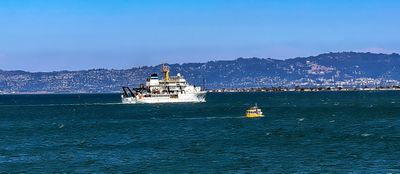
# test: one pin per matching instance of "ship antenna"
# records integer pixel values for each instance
(204, 84)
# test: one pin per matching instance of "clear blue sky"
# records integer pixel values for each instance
(47, 35)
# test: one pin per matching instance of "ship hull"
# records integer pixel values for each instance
(179, 98)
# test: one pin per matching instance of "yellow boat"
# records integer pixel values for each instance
(254, 112)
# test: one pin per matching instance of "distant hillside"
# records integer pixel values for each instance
(331, 69)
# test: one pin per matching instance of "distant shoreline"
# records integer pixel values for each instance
(341, 69)
(307, 89)
(228, 90)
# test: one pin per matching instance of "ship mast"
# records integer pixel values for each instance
(165, 70)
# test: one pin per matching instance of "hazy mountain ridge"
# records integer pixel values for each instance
(343, 69)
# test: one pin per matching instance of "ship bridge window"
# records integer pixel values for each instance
(154, 76)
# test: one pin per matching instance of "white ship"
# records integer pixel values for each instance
(172, 89)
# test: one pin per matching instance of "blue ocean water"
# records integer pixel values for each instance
(302, 132)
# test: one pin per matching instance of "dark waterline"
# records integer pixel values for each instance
(324, 132)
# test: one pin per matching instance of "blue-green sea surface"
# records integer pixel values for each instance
(302, 132)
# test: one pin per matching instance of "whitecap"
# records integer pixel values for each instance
(366, 134)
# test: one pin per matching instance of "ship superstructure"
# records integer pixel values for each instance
(170, 89)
